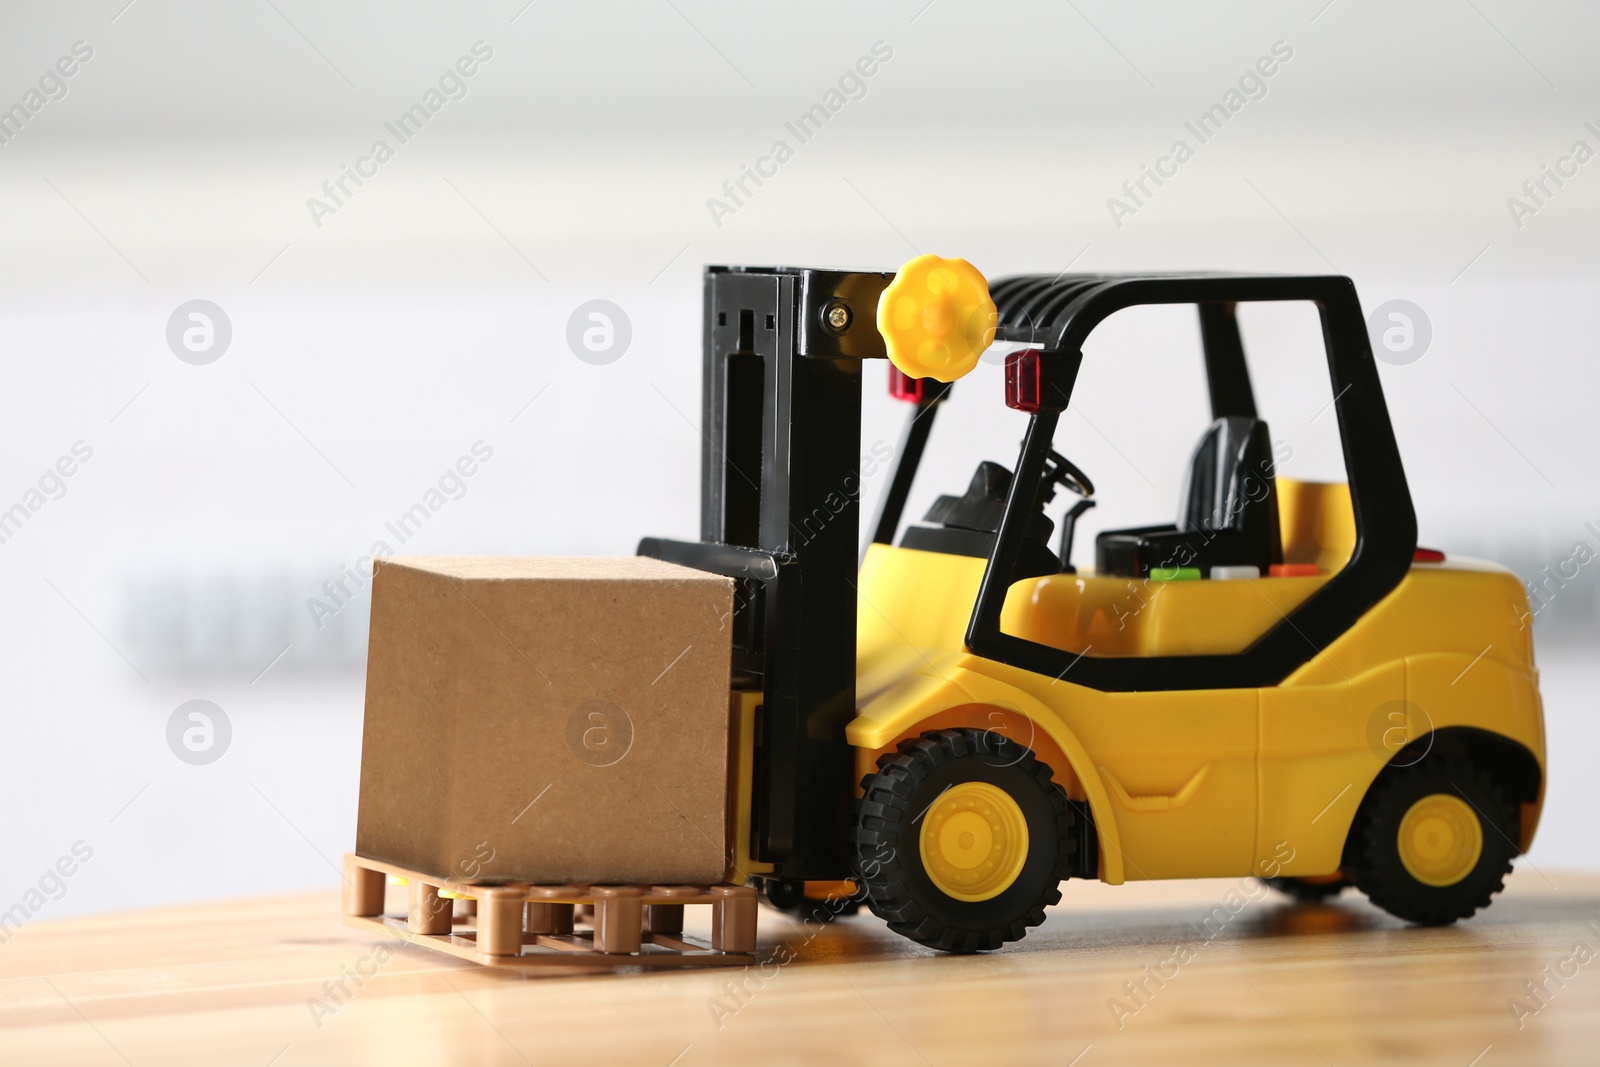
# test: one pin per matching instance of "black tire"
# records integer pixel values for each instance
(1307, 892)
(888, 853)
(1372, 856)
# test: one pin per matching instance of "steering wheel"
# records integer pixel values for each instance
(1059, 470)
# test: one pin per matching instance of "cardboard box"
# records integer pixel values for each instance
(548, 720)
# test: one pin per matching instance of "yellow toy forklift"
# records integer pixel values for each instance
(1280, 683)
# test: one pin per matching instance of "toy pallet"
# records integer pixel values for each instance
(520, 925)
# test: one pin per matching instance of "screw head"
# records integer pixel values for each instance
(837, 316)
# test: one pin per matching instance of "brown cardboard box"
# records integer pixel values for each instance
(547, 720)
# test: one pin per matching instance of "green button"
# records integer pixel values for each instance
(1174, 574)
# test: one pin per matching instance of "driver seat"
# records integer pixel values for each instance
(1227, 512)
(966, 525)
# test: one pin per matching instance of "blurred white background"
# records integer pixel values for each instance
(374, 344)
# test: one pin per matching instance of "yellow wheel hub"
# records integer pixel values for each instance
(1440, 839)
(937, 318)
(974, 841)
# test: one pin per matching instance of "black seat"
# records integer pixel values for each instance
(1227, 515)
(966, 524)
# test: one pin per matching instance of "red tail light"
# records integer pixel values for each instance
(1024, 380)
(903, 386)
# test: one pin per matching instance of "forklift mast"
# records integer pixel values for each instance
(780, 512)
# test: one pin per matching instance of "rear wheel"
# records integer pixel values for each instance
(962, 840)
(1433, 841)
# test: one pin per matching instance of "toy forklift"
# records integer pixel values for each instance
(1280, 683)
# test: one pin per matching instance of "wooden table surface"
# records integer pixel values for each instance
(1274, 983)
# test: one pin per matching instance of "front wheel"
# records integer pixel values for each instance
(1433, 842)
(963, 839)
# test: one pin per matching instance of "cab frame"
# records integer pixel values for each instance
(1053, 316)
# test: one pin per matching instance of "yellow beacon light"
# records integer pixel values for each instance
(936, 318)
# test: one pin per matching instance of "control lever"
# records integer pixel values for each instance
(1069, 523)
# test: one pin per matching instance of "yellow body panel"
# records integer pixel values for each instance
(1316, 522)
(1141, 617)
(1209, 782)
